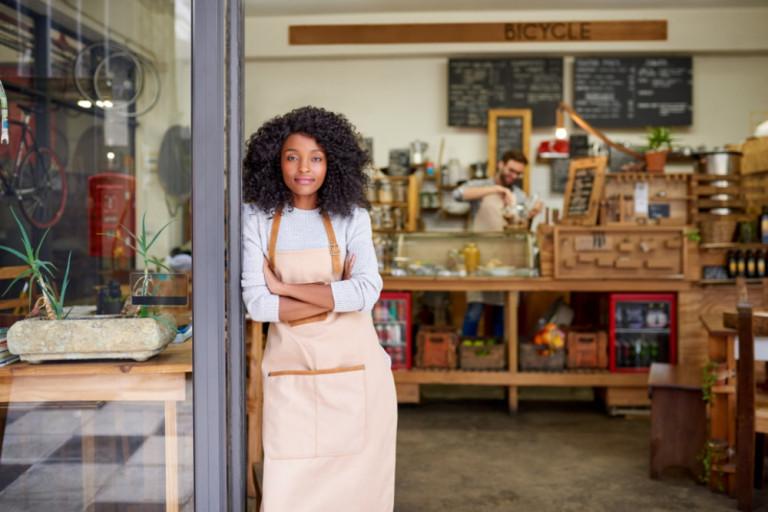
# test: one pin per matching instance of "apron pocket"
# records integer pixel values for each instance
(314, 413)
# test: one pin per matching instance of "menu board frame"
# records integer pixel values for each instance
(494, 151)
(581, 206)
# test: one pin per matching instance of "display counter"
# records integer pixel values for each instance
(618, 389)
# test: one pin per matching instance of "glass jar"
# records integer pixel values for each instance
(471, 257)
(386, 195)
(401, 192)
(376, 217)
(370, 192)
(387, 220)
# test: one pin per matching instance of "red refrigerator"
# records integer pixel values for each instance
(642, 330)
(392, 319)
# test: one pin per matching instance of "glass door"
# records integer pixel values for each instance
(642, 330)
(97, 174)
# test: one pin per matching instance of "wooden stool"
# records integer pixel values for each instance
(678, 418)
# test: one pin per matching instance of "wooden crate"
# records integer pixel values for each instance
(436, 347)
(586, 349)
(482, 357)
(532, 358)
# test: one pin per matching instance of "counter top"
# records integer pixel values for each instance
(487, 283)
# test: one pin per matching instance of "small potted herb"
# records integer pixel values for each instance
(659, 143)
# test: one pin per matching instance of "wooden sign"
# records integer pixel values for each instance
(583, 191)
(521, 32)
(509, 129)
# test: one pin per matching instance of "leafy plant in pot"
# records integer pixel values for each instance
(133, 335)
(659, 143)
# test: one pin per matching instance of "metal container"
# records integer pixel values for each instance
(718, 161)
(723, 163)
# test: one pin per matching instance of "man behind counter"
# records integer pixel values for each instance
(488, 198)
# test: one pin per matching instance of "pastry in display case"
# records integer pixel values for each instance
(451, 254)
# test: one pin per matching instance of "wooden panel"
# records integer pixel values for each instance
(407, 393)
(626, 397)
(419, 33)
(533, 284)
(53, 388)
(622, 251)
(176, 358)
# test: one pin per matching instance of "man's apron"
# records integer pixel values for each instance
(330, 408)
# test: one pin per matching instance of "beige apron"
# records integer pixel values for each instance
(330, 409)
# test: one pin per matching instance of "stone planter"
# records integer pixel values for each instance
(100, 337)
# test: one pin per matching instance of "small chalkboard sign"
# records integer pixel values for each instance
(478, 85)
(582, 193)
(620, 92)
(509, 129)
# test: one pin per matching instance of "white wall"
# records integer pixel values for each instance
(398, 93)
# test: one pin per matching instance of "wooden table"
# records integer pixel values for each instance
(161, 378)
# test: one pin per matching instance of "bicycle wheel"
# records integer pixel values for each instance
(42, 187)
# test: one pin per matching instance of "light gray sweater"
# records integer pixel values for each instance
(303, 229)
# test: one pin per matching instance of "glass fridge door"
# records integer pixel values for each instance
(642, 331)
(392, 320)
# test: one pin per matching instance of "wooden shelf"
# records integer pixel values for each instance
(731, 245)
(586, 378)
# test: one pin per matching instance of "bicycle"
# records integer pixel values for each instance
(37, 181)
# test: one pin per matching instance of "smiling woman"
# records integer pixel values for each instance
(310, 270)
(304, 166)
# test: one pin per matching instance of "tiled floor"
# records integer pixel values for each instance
(46, 465)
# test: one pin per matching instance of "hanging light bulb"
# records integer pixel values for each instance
(560, 131)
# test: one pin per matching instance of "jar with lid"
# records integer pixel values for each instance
(401, 192)
(387, 221)
(386, 195)
(471, 257)
(376, 217)
(397, 218)
(370, 192)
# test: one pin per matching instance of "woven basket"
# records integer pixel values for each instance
(718, 231)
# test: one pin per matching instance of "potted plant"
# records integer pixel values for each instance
(139, 334)
(659, 143)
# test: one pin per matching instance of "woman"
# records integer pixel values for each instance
(309, 269)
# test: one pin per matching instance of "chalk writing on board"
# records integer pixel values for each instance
(583, 181)
(633, 91)
(477, 85)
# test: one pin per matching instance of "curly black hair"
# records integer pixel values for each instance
(345, 180)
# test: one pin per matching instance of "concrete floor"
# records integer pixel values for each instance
(470, 455)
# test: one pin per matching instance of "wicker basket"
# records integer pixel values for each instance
(718, 231)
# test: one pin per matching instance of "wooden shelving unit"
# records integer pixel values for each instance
(620, 388)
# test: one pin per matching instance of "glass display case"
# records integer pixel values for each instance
(451, 254)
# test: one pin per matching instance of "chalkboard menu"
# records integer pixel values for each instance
(633, 91)
(477, 85)
(509, 135)
(583, 190)
(509, 129)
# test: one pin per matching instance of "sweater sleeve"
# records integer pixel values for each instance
(458, 192)
(261, 304)
(362, 291)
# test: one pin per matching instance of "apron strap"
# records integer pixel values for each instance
(333, 246)
(273, 238)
